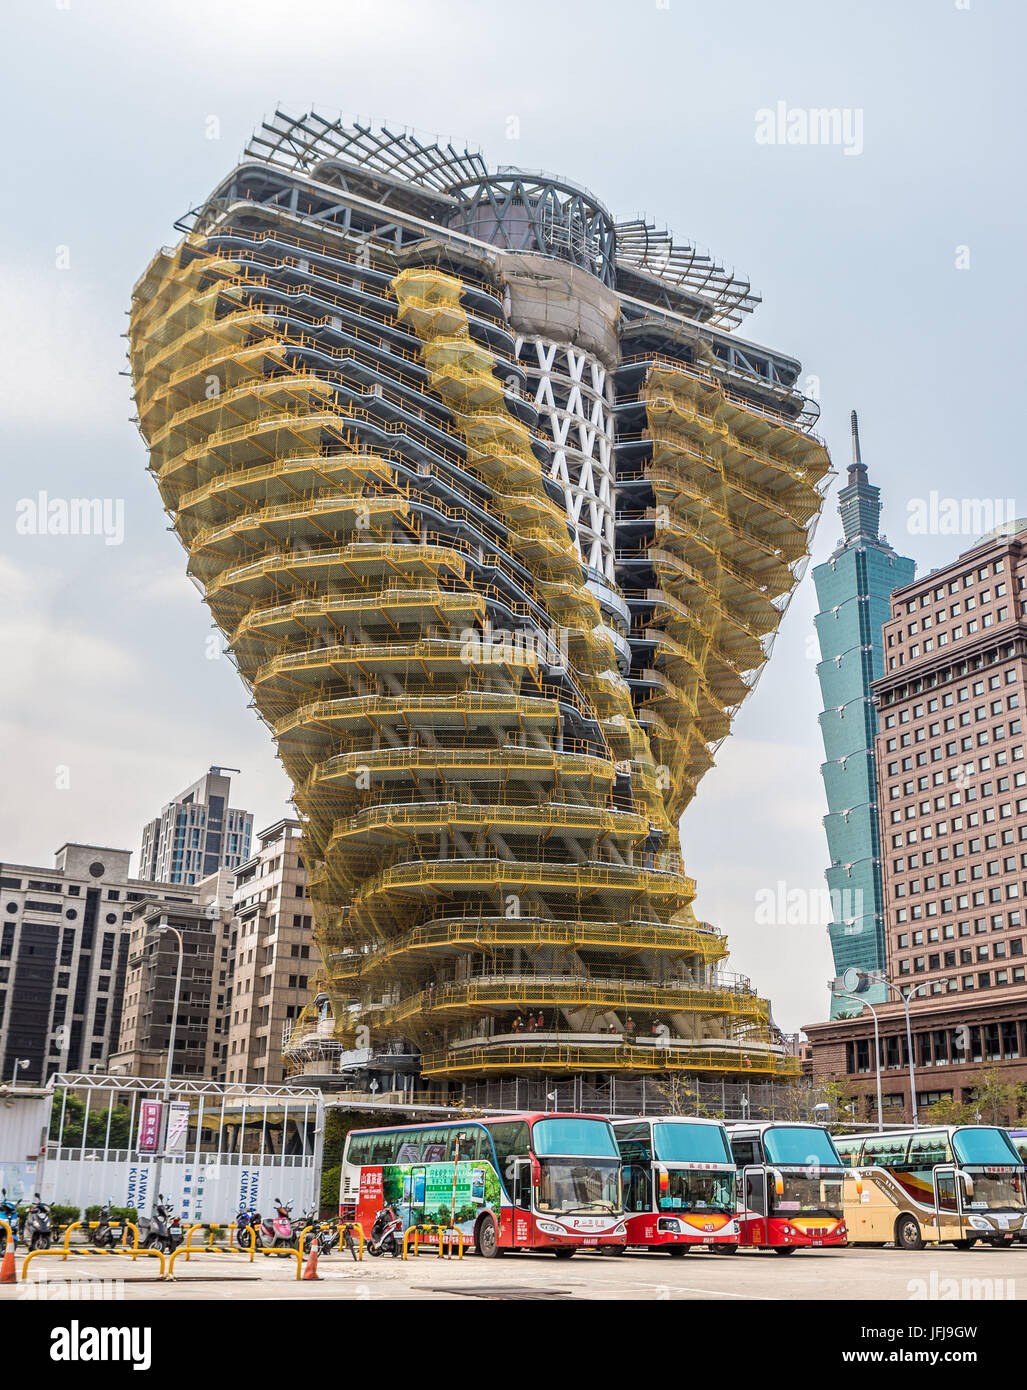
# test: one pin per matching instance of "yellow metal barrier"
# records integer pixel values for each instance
(130, 1226)
(210, 1247)
(191, 1249)
(416, 1232)
(446, 1234)
(94, 1226)
(9, 1236)
(230, 1249)
(63, 1253)
(288, 1250)
(187, 1248)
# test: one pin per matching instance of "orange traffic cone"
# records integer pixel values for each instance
(8, 1273)
(310, 1269)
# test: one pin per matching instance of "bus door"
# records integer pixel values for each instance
(520, 1191)
(948, 1202)
(753, 1196)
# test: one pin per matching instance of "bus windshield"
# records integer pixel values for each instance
(579, 1186)
(677, 1141)
(688, 1190)
(797, 1147)
(985, 1146)
(808, 1195)
(573, 1136)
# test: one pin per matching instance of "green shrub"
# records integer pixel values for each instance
(118, 1214)
(330, 1180)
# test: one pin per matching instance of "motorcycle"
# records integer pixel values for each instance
(8, 1213)
(105, 1237)
(327, 1236)
(386, 1234)
(36, 1232)
(163, 1230)
(280, 1230)
(248, 1216)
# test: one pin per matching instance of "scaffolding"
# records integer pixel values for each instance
(489, 784)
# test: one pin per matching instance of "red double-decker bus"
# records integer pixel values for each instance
(790, 1186)
(513, 1182)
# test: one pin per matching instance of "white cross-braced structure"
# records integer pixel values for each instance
(573, 395)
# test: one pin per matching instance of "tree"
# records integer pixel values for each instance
(331, 1182)
(997, 1101)
(74, 1109)
(683, 1097)
(948, 1111)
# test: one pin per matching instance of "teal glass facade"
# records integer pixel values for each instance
(854, 597)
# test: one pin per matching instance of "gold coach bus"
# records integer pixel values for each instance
(956, 1184)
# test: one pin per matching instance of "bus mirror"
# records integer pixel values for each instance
(779, 1184)
(969, 1182)
(859, 1186)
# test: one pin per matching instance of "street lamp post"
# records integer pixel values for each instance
(877, 1051)
(20, 1063)
(166, 1094)
(906, 996)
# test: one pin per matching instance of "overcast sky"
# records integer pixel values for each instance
(891, 265)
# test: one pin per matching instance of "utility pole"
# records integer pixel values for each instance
(166, 1093)
(877, 1050)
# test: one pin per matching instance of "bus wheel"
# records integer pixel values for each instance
(724, 1249)
(969, 1244)
(564, 1252)
(677, 1250)
(486, 1238)
(907, 1233)
(785, 1249)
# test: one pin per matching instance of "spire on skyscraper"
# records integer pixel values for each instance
(859, 502)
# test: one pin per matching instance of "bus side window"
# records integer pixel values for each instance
(433, 1145)
(926, 1150)
(382, 1149)
(469, 1146)
(408, 1147)
(511, 1140)
(744, 1152)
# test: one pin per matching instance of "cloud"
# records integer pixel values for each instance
(60, 352)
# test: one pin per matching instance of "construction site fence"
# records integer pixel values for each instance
(684, 1095)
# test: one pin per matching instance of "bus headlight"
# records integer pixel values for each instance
(978, 1223)
(670, 1223)
(549, 1228)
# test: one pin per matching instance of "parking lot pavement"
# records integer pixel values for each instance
(899, 1275)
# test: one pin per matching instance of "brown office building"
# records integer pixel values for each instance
(952, 792)
(273, 956)
(201, 1028)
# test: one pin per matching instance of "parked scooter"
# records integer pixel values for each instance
(247, 1216)
(327, 1236)
(36, 1232)
(105, 1237)
(163, 1229)
(386, 1234)
(279, 1231)
(8, 1213)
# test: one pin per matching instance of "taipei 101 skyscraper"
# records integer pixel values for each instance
(854, 594)
(498, 515)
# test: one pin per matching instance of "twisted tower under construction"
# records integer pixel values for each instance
(499, 517)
